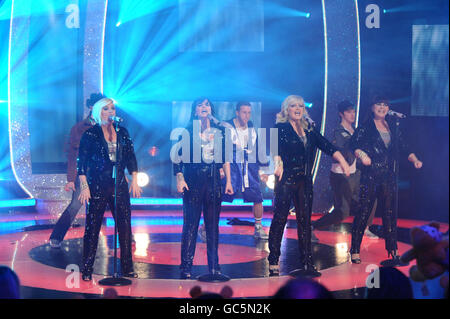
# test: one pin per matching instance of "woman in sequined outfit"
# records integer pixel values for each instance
(297, 146)
(199, 181)
(96, 159)
(374, 144)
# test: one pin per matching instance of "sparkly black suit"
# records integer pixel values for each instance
(205, 195)
(295, 186)
(95, 164)
(377, 183)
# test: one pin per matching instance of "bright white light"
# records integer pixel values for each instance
(142, 242)
(342, 247)
(118, 24)
(341, 252)
(142, 179)
(102, 61)
(271, 181)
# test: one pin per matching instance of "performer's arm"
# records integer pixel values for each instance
(85, 193)
(340, 158)
(135, 190)
(228, 187)
(181, 183)
(278, 167)
(131, 164)
(413, 159)
(365, 159)
(356, 143)
(82, 162)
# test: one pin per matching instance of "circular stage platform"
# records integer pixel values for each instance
(156, 256)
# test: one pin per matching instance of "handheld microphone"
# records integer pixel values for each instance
(116, 119)
(309, 120)
(396, 114)
(213, 119)
(218, 123)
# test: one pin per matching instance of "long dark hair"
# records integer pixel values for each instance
(194, 106)
(375, 100)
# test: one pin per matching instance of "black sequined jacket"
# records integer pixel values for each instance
(368, 139)
(93, 159)
(298, 160)
(196, 164)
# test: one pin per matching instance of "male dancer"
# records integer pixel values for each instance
(69, 214)
(345, 189)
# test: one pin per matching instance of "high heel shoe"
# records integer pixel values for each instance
(355, 258)
(306, 270)
(131, 274)
(86, 277)
(394, 260)
(185, 275)
(311, 270)
(274, 270)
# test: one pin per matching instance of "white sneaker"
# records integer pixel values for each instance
(260, 233)
(371, 235)
(202, 233)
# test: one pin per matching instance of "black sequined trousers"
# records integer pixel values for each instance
(97, 205)
(300, 192)
(201, 196)
(381, 188)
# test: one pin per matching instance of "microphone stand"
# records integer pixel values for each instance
(115, 280)
(396, 260)
(213, 277)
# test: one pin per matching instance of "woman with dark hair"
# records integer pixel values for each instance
(374, 144)
(198, 178)
(98, 163)
(345, 189)
(297, 146)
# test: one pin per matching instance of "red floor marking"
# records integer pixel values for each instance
(170, 254)
(16, 246)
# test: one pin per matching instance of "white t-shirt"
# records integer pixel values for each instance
(242, 137)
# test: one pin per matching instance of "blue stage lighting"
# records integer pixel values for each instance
(277, 10)
(412, 7)
(179, 201)
(17, 203)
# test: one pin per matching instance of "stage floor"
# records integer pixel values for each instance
(44, 272)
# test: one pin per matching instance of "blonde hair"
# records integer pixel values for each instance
(97, 109)
(283, 117)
